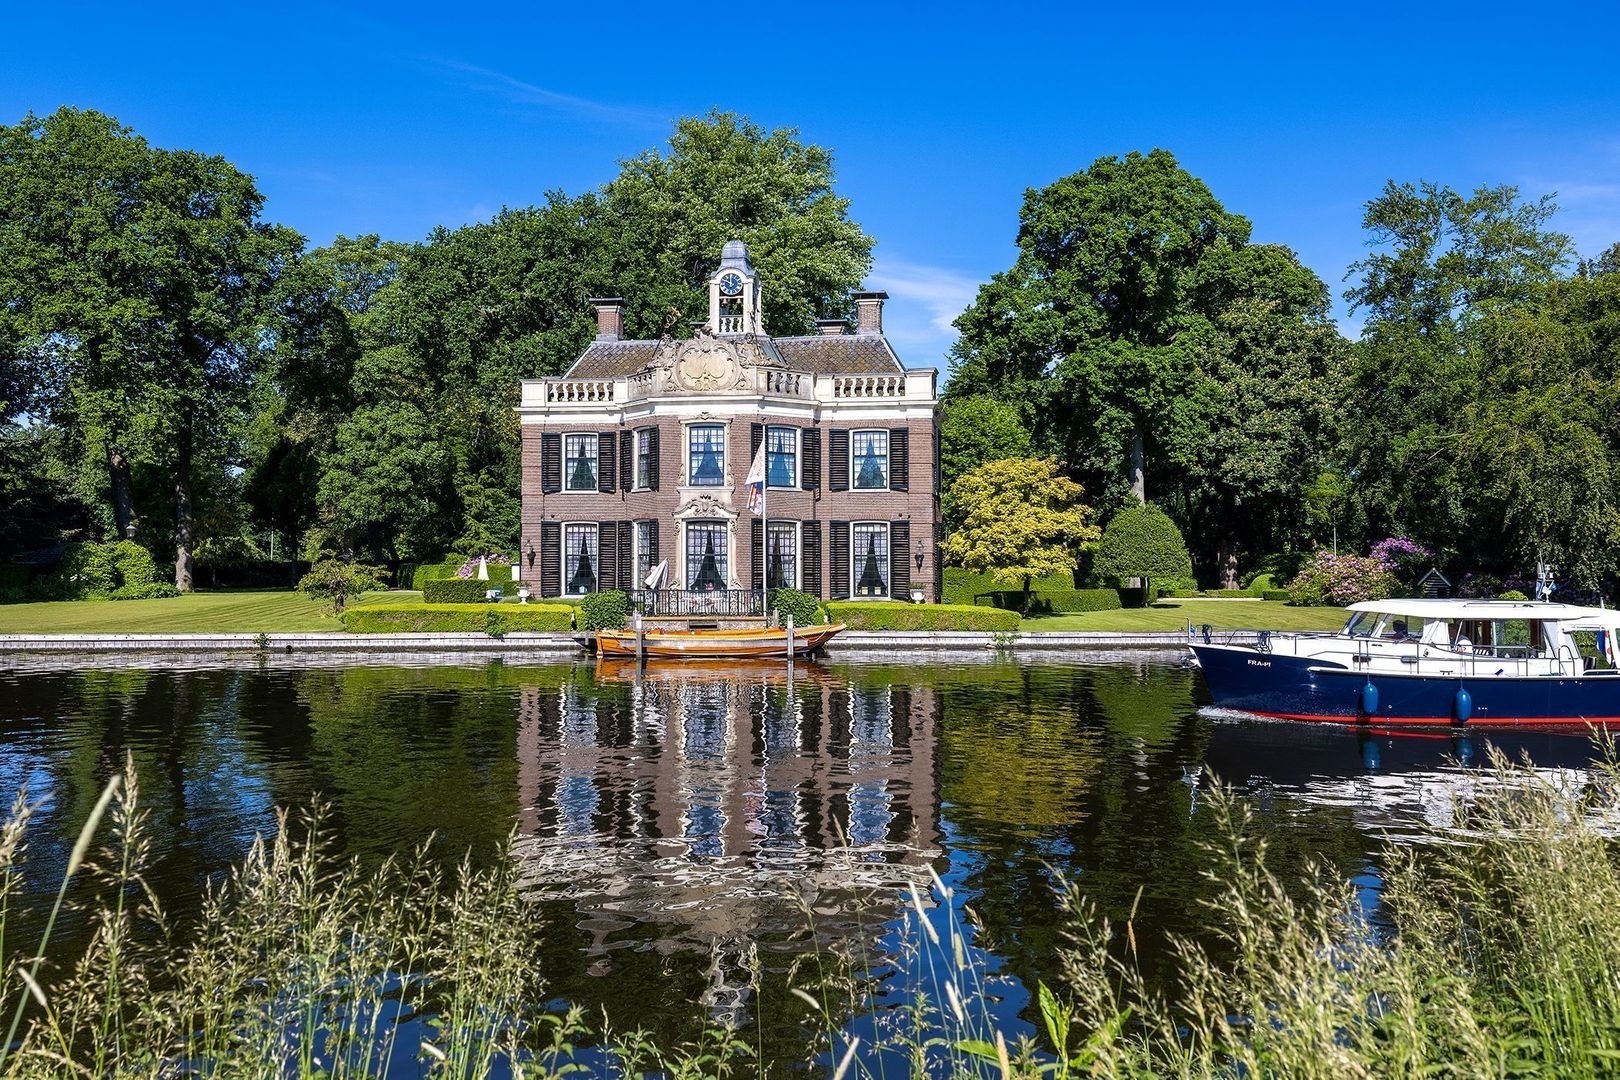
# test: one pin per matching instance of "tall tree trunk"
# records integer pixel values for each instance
(184, 564)
(1226, 556)
(1138, 464)
(123, 493)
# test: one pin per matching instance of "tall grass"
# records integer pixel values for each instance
(1495, 951)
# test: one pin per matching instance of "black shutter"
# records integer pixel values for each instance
(756, 532)
(811, 570)
(607, 556)
(550, 463)
(627, 557)
(756, 435)
(899, 459)
(838, 565)
(607, 472)
(652, 460)
(810, 458)
(627, 460)
(939, 564)
(551, 558)
(838, 461)
(900, 560)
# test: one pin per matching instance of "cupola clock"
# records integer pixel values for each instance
(734, 293)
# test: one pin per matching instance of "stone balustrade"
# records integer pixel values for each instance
(579, 391)
(868, 386)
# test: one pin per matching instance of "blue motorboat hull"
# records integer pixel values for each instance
(1298, 688)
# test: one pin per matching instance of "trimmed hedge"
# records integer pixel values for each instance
(152, 590)
(605, 610)
(1077, 600)
(1052, 594)
(462, 590)
(1275, 594)
(427, 572)
(493, 619)
(805, 609)
(894, 616)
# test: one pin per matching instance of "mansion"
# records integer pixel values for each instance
(638, 458)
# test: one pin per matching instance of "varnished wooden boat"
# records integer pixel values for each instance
(768, 643)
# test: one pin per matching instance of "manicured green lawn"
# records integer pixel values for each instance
(1176, 614)
(223, 611)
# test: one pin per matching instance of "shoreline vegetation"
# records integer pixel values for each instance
(1488, 950)
(280, 611)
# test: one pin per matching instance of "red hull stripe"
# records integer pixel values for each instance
(1481, 721)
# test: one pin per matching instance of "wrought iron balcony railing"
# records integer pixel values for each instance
(719, 603)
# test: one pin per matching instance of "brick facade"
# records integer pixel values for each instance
(744, 384)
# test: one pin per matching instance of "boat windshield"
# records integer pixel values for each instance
(1379, 624)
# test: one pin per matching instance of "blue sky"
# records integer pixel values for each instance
(396, 118)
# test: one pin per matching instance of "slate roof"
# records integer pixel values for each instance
(823, 354)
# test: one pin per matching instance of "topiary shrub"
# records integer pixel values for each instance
(805, 609)
(336, 580)
(152, 590)
(95, 571)
(1142, 542)
(891, 616)
(605, 610)
(1512, 594)
(458, 618)
(454, 590)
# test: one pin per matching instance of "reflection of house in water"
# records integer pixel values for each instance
(722, 806)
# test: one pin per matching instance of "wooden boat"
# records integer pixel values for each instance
(768, 643)
(754, 672)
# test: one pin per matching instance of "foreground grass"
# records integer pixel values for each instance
(226, 611)
(1176, 614)
(1501, 959)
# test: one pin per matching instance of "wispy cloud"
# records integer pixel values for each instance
(925, 301)
(518, 92)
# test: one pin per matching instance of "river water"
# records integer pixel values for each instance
(679, 831)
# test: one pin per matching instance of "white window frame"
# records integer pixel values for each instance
(636, 552)
(798, 553)
(725, 452)
(798, 448)
(888, 559)
(596, 567)
(596, 455)
(888, 459)
(642, 444)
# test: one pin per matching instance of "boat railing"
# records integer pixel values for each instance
(683, 603)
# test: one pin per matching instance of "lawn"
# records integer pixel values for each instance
(223, 611)
(1176, 614)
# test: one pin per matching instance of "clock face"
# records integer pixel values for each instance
(730, 285)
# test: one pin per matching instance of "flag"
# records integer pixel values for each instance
(756, 481)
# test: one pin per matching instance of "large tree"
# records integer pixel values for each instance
(136, 281)
(1138, 320)
(1444, 265)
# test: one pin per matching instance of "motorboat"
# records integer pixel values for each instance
(1425, 661)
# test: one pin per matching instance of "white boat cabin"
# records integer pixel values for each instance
(1485, 638)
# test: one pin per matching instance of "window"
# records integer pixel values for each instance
(644, 552)
(869, 454)
(706, 556)
(644, 458)
(579, 463)
(782, 457)
(869, 562)
(579, 559)
(782, 556)
(706, 455)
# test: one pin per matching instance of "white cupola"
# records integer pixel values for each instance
(734, 293)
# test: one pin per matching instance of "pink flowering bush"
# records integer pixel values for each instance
(469, 569)
(1407, 559)
(1327, 578)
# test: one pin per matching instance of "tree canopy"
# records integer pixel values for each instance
(1021, 519)
(1160, 351)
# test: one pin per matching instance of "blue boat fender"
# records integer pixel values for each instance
(1368, 700)
(1462, 705)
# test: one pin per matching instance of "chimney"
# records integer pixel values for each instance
(869, 312)
(830, 327)
(609, 317)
